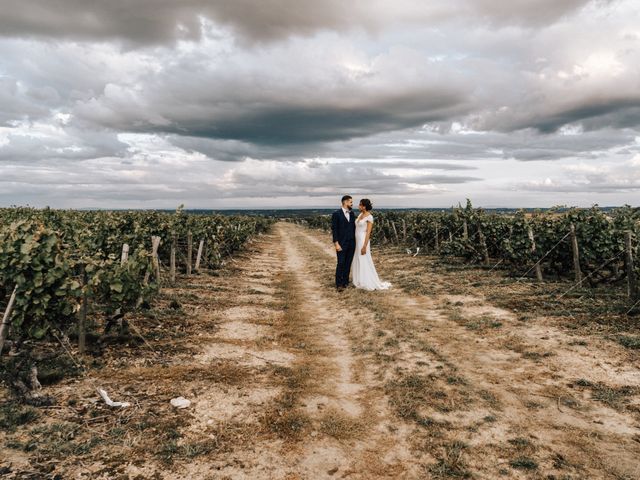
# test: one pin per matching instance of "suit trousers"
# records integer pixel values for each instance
(345, 257)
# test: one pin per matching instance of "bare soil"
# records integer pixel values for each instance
(442, 376)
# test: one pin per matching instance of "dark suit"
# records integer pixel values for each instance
(344, 232)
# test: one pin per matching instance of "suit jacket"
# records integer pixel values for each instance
(343, 232)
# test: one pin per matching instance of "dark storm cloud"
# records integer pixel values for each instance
(537, 12)
(591, 113)
(400, 147)
(293, 124)
(255, 104)
(159, 21)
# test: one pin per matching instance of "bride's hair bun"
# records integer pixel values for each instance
(366, 203)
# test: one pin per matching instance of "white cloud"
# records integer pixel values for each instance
(415, 102)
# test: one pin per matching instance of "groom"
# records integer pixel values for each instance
(343, 227)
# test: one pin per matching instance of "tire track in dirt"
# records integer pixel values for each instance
(532, 406)
(235, 327)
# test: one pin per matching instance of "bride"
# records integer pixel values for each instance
(363, 271)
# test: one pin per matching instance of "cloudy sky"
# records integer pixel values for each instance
(291, 103)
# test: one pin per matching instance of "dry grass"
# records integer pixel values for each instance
(451, 463)
(337, 424)
(284, 418)
(614, 397)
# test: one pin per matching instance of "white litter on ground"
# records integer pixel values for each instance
(180, 402)
(110, 402)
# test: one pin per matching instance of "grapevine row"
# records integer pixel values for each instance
(528, 244)
(52, 261)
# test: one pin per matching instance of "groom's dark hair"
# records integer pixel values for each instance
(345, 198)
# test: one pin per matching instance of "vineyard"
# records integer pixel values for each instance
(55, 265)
(589, 245)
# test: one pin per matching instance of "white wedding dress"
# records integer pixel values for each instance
(362, 269)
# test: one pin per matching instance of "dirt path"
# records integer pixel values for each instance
(290, 379)
(329, 417)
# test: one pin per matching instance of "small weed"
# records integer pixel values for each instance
(536, 355)
(524, 463)
(391, 342)
(455, 380)
(289, 425)
(489, 398)
(613, 397)
(429, 422)
(12, 416)
(168, 450)
(520, 442)
(192, 450)
(451, 464)
(18, 445)
(56, 369)
(483, 323)
(60, 440)
(559, 461)
(584, 383)
(456, 316)
(629, 341)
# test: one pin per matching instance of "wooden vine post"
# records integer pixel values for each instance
(437, 239)
(125, 254)
(483, 246)
(189, 251)
(155, 243)
(199, 255)
(632, 280)
(404, 229)
(172, 260)
(465, 230)
(538, 268)
(82, 320)
(395, 232)
(4, 327)
(576, 254)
